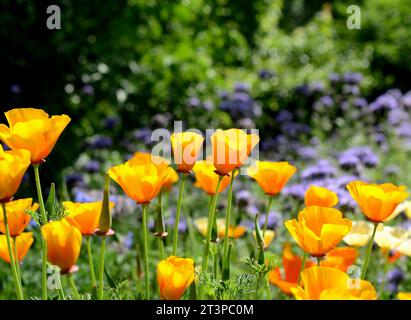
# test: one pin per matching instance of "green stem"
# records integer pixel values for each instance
(90, 262)
(160, 226)
(43, 242)
(211, 214)
(270, 200)
(145, 234)
(302, 267)
(60, 288)
(19, 292)
(178, 211)
(228, 219)
(368, 253)
(267, 283)
(318, 261)
(16, 256)
(73, 287)
(101, 271)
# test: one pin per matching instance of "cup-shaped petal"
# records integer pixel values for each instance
(186, 147)
(63, 244)
(84, 216)
(321, 197)
(13, 165)
(174, 276)
(325, 283)
(207, 179)
(231, 148)
(271, 176)
(377, 201)
(33, 130)
(17, 217)
(318, 230)
(23, 242)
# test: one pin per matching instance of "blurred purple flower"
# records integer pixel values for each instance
(352, 77)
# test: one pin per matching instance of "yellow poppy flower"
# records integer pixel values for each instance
(13, 165)
(360, 234)
(321, 197)
(402, 207)
(33, 130)
(23, 242)
(318, 229)
(207, 179)
(340, 258)
(325, 283)
(404, 295)
(84, 216)
(186, 147)
(389, 238)
(377, 201)
(174, 276)
(233, 232)
(141, 182)
(63, 244)
(17, 217)
(231, 148)
(271, 176)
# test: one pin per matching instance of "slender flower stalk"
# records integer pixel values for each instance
(145, 241)
(43, 242)
(368, 252)
(160, 227)
(101, 271)
(11, 255)
(228, 218)
(385, 257)
(90, 262)
(178, 212)
(318, 261)
(60, 290)
(16, 256)
(270, 200)
(73, 287)
(211, 214)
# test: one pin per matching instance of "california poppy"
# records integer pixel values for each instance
(318, 229)
(325, 283)
(186, 147)
(23, 242)
(84, 216)
(389, 238)
(63, 244)
(271, 176)
(341, 258)
(174, 276)
(141, 182)
(377, 201)
(33, 130)
(231, 148)
(17, 217)
(360, 234)
(321, 197)
(207, 179)
(13, 165)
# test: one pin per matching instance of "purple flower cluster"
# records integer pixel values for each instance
(354, 158)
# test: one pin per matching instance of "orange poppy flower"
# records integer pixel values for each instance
(23, 242)
(84, 216)
(291, 267)
(231, 148)
(340, 258)
(318, 229)
(321, 197)
(13, 165)
(272, 176)
(63, 244)
(325, 283)
(141, 182)
(33, 130)
(233, 232)
(174, 276)
(207, 179)
(377, 201)
(17, 217)
(186, 147)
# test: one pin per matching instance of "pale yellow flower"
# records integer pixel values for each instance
(390, 238)
(360, 234)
